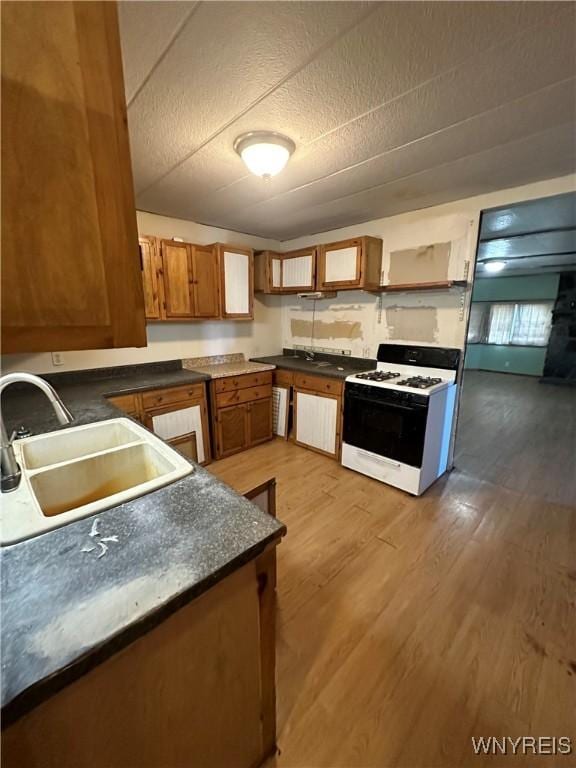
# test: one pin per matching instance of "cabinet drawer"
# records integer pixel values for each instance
(283, 378)
(318, 383)
(243, 395)
(126, 403)
(230, 383)
(161, 397)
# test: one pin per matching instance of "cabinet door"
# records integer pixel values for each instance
(70, 264)
(317, 421)
(187, 445)
(260, 421)
(299, 271)
(339, 265)
(205, 281)
(179, 423)
(237, 282)
(177, 278)
(232, 429)
(268, 272)
(149, 264)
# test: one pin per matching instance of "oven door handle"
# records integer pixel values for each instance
(387, 403)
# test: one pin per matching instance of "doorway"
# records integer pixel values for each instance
(517, 423)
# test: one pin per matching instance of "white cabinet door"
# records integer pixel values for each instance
(297, 272)
(317, 421)
(341, 265)
(237, 284)
(276, 273)
(181, 422)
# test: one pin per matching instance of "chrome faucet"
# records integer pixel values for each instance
(11, 472)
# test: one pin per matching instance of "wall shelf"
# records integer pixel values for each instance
(435, 286)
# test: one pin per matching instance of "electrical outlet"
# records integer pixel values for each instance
(57, 358)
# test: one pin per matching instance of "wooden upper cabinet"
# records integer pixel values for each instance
(268, 272)
(177, 279)
(70, 264)
(151, 276)
(290, 272)
(236, 267)
(349, 264)
(205, 281)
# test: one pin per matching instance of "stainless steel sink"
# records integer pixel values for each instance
(77, 472)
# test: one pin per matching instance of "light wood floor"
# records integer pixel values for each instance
(407, 625)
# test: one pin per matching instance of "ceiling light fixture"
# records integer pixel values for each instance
(265, 153)
(494, 266)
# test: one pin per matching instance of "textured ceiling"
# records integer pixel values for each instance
(393, 106)
(536, 235)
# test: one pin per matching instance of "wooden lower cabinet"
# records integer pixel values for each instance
(241, 412)
(178, 415)
(231, 430)
(260, 421)
(196, 690)
(315, 404)
(317, 421)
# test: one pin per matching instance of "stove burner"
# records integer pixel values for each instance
(419, 382)
(378, 375)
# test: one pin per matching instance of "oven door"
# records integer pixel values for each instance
(386, 422)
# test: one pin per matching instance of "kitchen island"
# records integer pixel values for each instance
(144, 656)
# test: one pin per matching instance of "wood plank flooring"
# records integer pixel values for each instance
(408, 625)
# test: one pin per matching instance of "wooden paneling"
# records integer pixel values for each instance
(228, 383)
(197, 690)
(70, 263)
(159, 397)
(205, 283)
(177, 278)
(150, 263)
(260, 420)
(231, 430)
(243, 395)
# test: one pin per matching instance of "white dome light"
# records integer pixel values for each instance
(494, 266)
(264, 153)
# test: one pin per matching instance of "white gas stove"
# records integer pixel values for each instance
(398, 418)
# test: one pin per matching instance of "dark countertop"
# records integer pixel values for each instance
(340, 366)
(64, 610)
(84, 392)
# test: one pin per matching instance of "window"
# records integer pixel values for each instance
(525, 324)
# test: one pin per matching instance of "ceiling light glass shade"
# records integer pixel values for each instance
(494, 266)
(264, 153)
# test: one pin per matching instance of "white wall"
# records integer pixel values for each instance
(457, 222)
(172, 341)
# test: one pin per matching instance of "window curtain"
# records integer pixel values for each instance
(532, 324)
(501, 321)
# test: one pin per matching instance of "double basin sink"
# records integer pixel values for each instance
(76, 472)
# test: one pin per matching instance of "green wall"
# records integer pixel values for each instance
(520, 288)
(504, 359)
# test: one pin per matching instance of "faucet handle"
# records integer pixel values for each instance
(20, 433)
